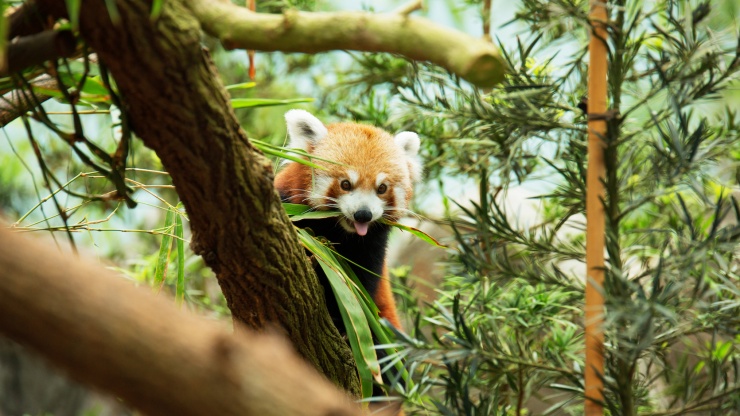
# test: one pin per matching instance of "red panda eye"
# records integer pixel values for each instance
(346, 185)
(382, 188)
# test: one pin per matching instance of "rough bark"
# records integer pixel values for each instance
(177, 105)
(142, 348)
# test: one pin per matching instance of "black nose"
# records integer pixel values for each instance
(363, 215)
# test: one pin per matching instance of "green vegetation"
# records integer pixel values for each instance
(504, 335)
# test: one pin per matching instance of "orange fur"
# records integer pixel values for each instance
(385, 301)
(367, 156)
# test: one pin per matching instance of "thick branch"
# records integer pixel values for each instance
(474, 59)
(141, 347)
(26, 20)
(35, 49)
(177, 105)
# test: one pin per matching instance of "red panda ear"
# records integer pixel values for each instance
(409, 142)
(304, 129)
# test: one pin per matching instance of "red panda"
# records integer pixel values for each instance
(372, 178)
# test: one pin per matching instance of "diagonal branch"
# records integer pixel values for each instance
(177, 105)
(416, 38)
(142, 348)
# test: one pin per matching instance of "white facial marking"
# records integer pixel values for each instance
(354, 177)
(379, 180)
(321, 185)
(399, 197)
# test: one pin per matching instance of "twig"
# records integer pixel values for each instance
(409, 7)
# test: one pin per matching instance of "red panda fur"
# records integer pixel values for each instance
(373, 177)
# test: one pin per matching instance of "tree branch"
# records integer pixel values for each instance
(13, 105)
(239, 225)
(142, 348)
(26, 20)
(35, 49)
(474, 59)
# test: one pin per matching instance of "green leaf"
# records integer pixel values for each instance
(415, 231)
(350, 307)
(295, 209)
(73, 10)
(164, 249)
(156, 9)
(115, 16)
(180, 244)
(296, 155)
(284, 154)
(241, 86)
(315, 215)
(265, 102)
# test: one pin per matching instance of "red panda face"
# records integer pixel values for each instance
(372, 177)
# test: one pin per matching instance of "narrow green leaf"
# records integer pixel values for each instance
(300, 152)
(351, 310)
(73, 10)
(315, 215)
(417, 232)
(164, 249)
(180, 244)
(115, 16)
(295, 209)
(156, 9)
(241, 86)
(285, 155)
(265, 102)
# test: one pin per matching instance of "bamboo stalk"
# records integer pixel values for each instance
(595, 223)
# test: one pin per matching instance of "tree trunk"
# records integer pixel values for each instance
(177, 105)
(142, 348)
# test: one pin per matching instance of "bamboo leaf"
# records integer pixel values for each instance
(156, 9)
(265, 102)
(283, 154)
(241, 86)
(350, 307)
(315, 215)
(295, 209)
(298, 212)
(417, 232)
(163, 258)
(73, 10)
(180, 243)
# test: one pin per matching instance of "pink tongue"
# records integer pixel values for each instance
(361, 227)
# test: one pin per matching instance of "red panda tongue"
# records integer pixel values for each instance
(361, 227)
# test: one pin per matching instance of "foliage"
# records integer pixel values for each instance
(506, 334)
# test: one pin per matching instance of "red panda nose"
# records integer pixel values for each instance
(363, 215)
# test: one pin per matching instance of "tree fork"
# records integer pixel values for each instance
(238, 224)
